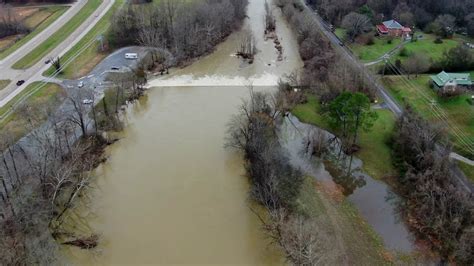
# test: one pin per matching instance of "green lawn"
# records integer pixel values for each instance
(91, 56)
(381, 46)
(340, 33)
(59, 36)
(375, 151)
(55, 13)
(468, 170)
(427, 46)
(457, 109)
(4, 83)
(48, 96)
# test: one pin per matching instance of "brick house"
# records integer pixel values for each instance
(394, 29)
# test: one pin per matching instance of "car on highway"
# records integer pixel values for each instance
(87, 101)
(80, 84)
(115, 68)
(20, 82)
(47, 61)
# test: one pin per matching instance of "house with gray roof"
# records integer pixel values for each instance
(393, 28)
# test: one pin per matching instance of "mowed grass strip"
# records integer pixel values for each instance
(348, 234)
(91, 56)
(48, 97)
(4, 83)
(48, 16)
(459, 110)
(59, 36)
(375, 149)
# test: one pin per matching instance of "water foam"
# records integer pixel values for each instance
(266, 79)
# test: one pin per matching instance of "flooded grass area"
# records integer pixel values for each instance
(375, 149)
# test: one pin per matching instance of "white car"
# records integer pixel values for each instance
(87, 101)
(80, 84)
(131, 56)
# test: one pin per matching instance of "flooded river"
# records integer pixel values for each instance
(170, 192)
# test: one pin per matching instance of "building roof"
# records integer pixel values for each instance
(444, 78)
(392, 25)
(406, 29)
(381, 28)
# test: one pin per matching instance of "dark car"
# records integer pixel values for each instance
(20, 82)
(115, 68)
(47, 61)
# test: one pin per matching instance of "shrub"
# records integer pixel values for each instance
(438, 40)
(404, 52)
(370, 40)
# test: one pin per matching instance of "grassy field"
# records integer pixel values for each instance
(375, 151)
(349, 236)
(59, 36)
(38, 21)
(427, 46)
(91, 56)
(468, 170)
(47, 97)
(381, 46)
(4, 83)
(458, 109)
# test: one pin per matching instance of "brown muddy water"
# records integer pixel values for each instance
(170, 192)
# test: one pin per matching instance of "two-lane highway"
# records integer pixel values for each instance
(34, 73)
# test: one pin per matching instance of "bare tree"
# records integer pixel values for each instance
(416, 64)
(355, 24)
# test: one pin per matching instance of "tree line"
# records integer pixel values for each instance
(419, 13)
(437, 208)
(9, 25)
(187, 29)
(275, 183)
(45, 173)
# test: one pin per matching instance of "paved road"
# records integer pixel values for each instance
(389, 102)
(34, 73)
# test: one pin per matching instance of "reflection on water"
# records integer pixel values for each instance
(374, 199)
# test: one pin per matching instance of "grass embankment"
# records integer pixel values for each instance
(91, 56)
(468, 170)
(458, 109)
(351, 239)
(37, 22)
(4, 83)
(375, 150)
(59, 36)
(48, 96)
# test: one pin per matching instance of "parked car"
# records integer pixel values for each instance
(80, 84)
(131, 56)
(87, 101)
(20, 82)
(115, 68)
(47, 61)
